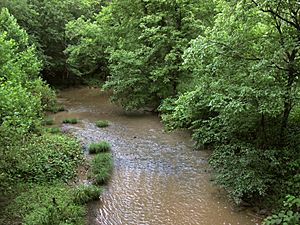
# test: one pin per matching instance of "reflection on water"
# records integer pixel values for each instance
(157, 179)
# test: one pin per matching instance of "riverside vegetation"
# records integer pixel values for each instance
(226, 70)
(36, 164)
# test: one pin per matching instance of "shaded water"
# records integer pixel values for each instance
(158, 178)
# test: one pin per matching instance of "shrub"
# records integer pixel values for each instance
(44, 158)
(85, 193)
(47, 95)
(48, 204)
(245, 171)
(101, 167)
(102, 123)
(102, 146)
(70, 120)
(289, 215)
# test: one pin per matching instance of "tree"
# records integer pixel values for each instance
(144, 43)
(245, 71)
(45, 22)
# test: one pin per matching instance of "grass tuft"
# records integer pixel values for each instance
(53, 130)
(102, 123)
(70, 120)
(86, 193)
(102, 146)
(101, 167)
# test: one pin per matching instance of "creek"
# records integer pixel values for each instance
(158, 177)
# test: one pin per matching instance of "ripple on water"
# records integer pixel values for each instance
(157, 179)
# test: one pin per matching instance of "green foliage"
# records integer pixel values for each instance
(141, 47)
(245, 171)
(45, 22)
(289, 216)
(101, 146)
(42, 158)
(86, 193)
(243, 89)
(48, 121)
(46, 94)
(101, 167)
(70, 120)
(48, 204)
(102, 123)
(53, 130)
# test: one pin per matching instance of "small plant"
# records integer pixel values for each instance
(102, 123)
(289, 215)
(70, 120)
(84, 194)
(102, 146)
(53, 130)
(101, 167)
(48, 121)
(56, 108)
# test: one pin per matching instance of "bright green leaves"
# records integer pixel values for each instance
(18, 67)
(143, 42)
(244, 84)
(45, 23)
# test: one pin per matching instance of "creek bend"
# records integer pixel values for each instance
(158, 178)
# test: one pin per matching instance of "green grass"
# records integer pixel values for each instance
(48, 121)
(70, 120)
(101, 167)
(86, 193)
(56, 108)
(102, 123)
(48, 204)
(101, 146)
(53, 130)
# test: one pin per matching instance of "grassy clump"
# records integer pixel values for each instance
(70, 120)
(53, 130)
(45, 204)
(84, 194)
(48, 121)
(102, 146)
(102, 123)
(56, 108)
(101, 167)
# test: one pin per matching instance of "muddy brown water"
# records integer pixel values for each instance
(158, 178)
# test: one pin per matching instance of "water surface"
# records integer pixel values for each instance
(158, 178)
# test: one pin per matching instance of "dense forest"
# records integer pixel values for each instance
(227, 70)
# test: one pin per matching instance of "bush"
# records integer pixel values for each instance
(70, 120)
(86, 193)
(44, 158)
(102, 146)
(289, 215)
(101, 167)
(102, 123)
(245, 171)
(48, 204)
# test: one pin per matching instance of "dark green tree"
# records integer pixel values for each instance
(245, 85)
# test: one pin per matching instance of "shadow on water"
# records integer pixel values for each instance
(158, 178)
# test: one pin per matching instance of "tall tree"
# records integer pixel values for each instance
(145, 41)
(245, 71)
(45, 22)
